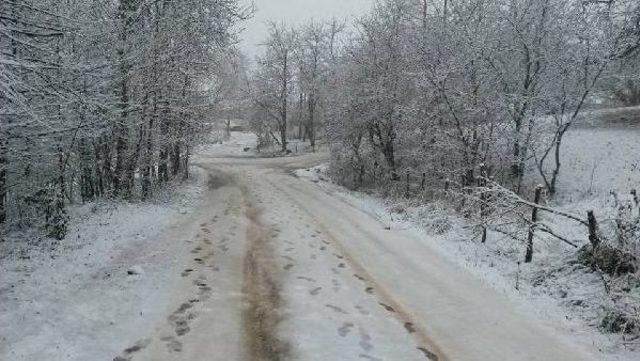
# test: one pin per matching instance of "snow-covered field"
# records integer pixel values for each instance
(598, 160)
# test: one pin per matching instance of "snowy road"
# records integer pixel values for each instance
(286, 271)
(272, 267)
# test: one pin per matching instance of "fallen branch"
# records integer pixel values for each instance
(519, 200)
(550, 232)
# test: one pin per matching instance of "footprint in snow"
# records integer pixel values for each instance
(180, 324)
(365, 340)
(336, 285)
(345, 329)
(369, 357)
(172, 344)
(362, 311)
(410, 327)
(337, 309)
(186, 272)
(428, 354)
(127, 355)
(315, 291)
(204, 294)
(184, 307)
(387, 307)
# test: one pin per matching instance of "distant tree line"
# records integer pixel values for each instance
(466, 101)
(454, 90)
(288, 88)
(466, 89)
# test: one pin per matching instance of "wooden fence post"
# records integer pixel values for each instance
(424, 181)
(482, 183)
(408, 185)
(534, 219)
(593, 230)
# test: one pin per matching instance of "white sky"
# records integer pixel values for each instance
(294, 12)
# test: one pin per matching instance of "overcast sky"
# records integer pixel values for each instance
(294, 12)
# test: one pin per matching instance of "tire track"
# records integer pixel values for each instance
(261, 288)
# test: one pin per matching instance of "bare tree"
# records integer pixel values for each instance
(274, 79)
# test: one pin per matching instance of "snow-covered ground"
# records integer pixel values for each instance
(84, 297)
(600, 156)
(571, 299)
(597, 161)
(239, 144)
(253, 263)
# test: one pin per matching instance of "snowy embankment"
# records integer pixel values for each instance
(573, 299)
(83, 298)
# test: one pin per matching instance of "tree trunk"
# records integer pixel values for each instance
(120, 131)
(302, 132)
(98, 167)
(283, 110)
(4, 163)
(107, 170)
(133, 163)
(534, 219)
(515, 166)
(125, 11)
(556, 169)
(175, 159)
(185, 165)
(163, 167)
(311, 124)
(147, 172)
(390, 158)
(87, 189)
(593, 230)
